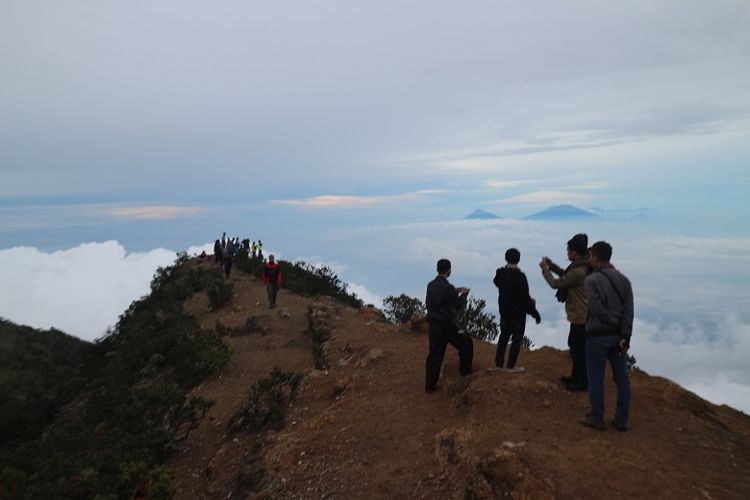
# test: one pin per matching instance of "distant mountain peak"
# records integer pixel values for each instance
(557, 212)
(481, 214)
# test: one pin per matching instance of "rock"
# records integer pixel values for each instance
(284, 313)
(503, 474)
(453, 446)
(374, 355)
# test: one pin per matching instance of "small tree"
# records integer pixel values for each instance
(477, 323)
(402, 308)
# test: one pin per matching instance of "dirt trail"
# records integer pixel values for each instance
(364, 428)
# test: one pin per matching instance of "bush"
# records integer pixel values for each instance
(402, 308)
(267, 402)
(220, 293)
(477, 323)
(133, 405)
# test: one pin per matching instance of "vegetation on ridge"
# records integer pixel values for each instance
(114, 438)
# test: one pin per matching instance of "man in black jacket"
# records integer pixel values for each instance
(442, 301)
(515, 303)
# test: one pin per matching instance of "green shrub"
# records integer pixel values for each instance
(220, 293)
(267, 402)
(477, 323)
(132, 405)
(402, 308)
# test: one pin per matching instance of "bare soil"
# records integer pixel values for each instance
(365, 428)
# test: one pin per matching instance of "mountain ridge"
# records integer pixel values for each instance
(359, 424)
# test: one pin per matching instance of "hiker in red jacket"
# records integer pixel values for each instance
(272, 280)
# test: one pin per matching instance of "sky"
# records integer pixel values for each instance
(360, 134)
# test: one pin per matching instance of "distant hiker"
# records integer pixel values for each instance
(254, 249)
(259, 248)
(572, 291)
(442, 301)
(608, 329)
(228, 260)
(272, 280)
(515, 303)
(218, 257)
(223, 240)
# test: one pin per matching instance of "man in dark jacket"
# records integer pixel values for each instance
(442, 301)
(272, 280)
(515, 303)
(608, 330)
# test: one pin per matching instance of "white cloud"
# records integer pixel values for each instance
(503, 184)
(366, 295)
(81, 291)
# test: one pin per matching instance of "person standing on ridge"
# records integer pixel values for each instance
(272, 280)
(259, 247)
(217, 253)
(572, 291)
(515, 303)
(608, 329)
(442, 301)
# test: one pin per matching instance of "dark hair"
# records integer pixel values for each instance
(602, 251)
(443, 265)
(579, 243)
(513, 256)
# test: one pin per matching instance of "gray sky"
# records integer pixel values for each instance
(187, 102)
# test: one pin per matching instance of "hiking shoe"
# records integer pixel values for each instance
(467, 373)
(517, 369)
(430, 390)
(590, 421)
(619, 425)
(567, 380)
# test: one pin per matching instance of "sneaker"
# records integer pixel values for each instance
(619, 425)
(517, 369)
(590, 421)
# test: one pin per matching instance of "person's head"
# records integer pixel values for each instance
(271, 259)
(512, 256)
(577, 246)
(600, 253)
(444, 267)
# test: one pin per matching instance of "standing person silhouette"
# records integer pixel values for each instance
(608, 329)
(442, 301)
(572, 291)
(514, 303)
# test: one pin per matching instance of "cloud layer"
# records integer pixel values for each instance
(81, 291)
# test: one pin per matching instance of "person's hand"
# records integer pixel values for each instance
(544, 263)
(624, 346)
(464, 291)
(538, 319)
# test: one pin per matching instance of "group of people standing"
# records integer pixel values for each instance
(226, 249)
(598, 304)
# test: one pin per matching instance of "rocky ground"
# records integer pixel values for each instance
(364, 427)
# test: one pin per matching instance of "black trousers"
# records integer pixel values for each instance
(577, 344)
(272, 289)
(442, 334)
(510, 328)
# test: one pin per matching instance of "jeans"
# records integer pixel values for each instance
(598, 351)
(442, 334)
(510, 328)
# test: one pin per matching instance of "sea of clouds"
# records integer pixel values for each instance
(692, 321)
